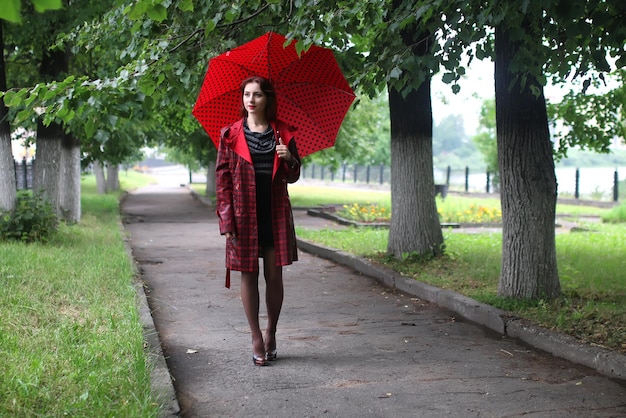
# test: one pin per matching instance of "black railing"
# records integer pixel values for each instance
(456, 179)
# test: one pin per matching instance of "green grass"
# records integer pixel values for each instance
(199, 188)
(311, 196)
(592, 270)
(617, 214)
(71, 341)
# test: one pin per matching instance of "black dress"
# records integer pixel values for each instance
(262, 147)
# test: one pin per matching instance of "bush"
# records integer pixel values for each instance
(616, 215)
(33, 219)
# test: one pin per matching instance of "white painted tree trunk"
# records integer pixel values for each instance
(70, 194)
(210, 180)
(98, 171)
(112, 177)
(47, 170)
(7, 166)
(415, 227)
(7, 174)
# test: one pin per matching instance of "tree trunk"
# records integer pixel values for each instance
(112, 178)
(98, 171)
(47, 170)
(210, 180)
(7, 169)
(415, 226)
(528, 182)
(47, 175)
(7, 165)
(69, 198)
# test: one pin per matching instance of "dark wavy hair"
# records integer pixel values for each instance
(268, 89)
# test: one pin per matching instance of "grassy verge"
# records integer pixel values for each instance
(592, 270)
(71, 341)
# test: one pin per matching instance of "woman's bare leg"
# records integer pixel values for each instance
(274, 294)
(250, 298)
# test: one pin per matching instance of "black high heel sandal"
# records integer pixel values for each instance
(271, 355)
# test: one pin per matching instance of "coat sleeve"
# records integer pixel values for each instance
(224, 190)
(293, 169)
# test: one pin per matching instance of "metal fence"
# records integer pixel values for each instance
(24, 174)
(367, 174)
(596, 183)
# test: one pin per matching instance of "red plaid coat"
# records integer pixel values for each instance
(236, 200)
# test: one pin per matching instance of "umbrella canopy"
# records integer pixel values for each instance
(312, 94)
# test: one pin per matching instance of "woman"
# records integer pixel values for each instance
(257, 157)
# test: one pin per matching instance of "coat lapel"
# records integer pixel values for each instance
(236, 140)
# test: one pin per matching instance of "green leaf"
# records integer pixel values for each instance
(148, 103)
(137, 11)
(11, 11)
(448, 78)
(13, 98)
(158, 13)
(62, 112)
(422, 10)
(231, 15)
(300, 46)
(43, 5)
(186, 5)
(210, 26)
(50, 94)
(90, 128)
(23, 115)
(147, 86)
(9, 96)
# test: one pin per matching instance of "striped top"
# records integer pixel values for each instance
(262, 148)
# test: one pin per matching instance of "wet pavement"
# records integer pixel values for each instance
(347, 345)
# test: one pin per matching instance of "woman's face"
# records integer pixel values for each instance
(254, 100)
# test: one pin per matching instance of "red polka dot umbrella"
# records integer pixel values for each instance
(312, 94)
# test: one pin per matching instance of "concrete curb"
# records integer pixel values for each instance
(160, 378)
(604, 361)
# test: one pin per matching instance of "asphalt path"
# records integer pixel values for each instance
(347, 345)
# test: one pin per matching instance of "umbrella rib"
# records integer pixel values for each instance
(241, 66)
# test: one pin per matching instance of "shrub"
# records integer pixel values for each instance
(33, 219)
(617, 214)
